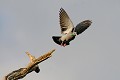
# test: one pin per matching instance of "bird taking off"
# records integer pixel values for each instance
(68, 30)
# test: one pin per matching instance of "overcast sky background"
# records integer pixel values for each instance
(28, 25)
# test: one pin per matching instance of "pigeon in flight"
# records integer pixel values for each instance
(68, 30)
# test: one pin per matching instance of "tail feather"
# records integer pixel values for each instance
(56, 39)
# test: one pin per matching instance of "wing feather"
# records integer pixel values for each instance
(82, 26)
(65, 22)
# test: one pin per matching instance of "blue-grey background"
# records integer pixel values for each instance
(28, 25)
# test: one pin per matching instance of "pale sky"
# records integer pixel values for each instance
(28, 25)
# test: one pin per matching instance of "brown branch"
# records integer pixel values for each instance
(32, 66)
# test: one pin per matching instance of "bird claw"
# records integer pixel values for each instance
(64, 45)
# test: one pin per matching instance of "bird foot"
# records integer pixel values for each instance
(63, 45)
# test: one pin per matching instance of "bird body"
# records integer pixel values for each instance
(67, 36)
(68, 30)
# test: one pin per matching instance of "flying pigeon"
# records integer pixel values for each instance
(68, 30)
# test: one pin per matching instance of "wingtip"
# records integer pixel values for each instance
(61, 8)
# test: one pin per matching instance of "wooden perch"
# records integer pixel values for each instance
(32, 66)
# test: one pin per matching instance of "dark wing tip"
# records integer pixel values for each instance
(56, 39)
(61, 9)
(81, 27)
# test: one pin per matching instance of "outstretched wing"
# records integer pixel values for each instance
(82, 26)
(65, 22)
